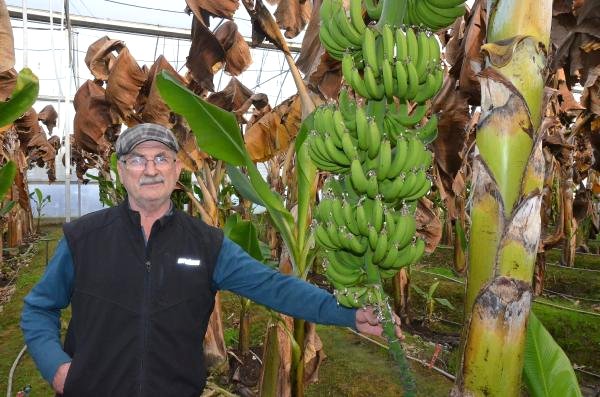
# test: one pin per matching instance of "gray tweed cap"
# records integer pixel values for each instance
(135, 135)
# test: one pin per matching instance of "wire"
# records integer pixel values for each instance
(566, 308)
(144, 7)
(570, 296)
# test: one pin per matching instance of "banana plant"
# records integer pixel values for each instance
(431, 300)
(23, 96)
(218, 134)
(508, 174)
(40, 202)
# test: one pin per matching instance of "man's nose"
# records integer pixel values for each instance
(150, 168)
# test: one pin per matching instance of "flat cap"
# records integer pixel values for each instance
(135, 135)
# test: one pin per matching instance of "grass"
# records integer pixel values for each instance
(10, 333)
(355, 366)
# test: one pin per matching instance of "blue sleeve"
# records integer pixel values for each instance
(238, 272)
(40, 320)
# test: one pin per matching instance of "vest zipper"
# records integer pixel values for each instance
(145, 320)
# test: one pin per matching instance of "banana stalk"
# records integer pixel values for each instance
(508, 174)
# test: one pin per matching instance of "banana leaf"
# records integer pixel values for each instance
(243, 233)
(547, 371)
(7, 175)
(218, 134)
(242, 184)
(21, 99)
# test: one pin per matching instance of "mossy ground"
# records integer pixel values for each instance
(355, 366)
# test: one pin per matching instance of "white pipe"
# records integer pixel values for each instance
(67, 125)
(25, 49)
(12, 371)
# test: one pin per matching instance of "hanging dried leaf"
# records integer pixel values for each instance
(311, 49)
(205, 58)
(429, 226)
(8, 80)
(237, 51)
(264, 25)
(470, 63)
(292, 16)
(27, 126)
(100, 56)
(123, 85)
(217, 8)
(576, 35)
(591, 98)
(275, 130)
(452, 107)
(568, 104)
(190, 154)
(93, 119)
(7, 45)
(48, 116)
(155, 109)
(232, 97)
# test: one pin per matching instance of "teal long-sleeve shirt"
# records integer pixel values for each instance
(235, 271)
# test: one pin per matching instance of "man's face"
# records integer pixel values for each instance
(150, 187)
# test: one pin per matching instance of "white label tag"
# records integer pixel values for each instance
(188, 261)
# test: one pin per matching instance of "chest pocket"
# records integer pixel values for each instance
(179, 278)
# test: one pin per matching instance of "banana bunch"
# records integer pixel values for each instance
(435, 14)
(395, 63)
(338, 33)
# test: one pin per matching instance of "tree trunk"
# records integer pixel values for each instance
(508, 175)
(570, 224)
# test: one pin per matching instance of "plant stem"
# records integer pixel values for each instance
(392, 14)
(396, 351)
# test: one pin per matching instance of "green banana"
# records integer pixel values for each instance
(339, 126)
(390, 189)
(350, 217)
(356, 16)
(401, 46)
(401, 80)
(421, 192)
(358, 244)
(384, 160)
(412, 46)
(390, 258)
(389, 83)
(375, 89)
(348, 108)
(374, 10)
(373, 236)
(337, 212)
(347, 29)
(358, 84)
(415, 153)
(369, 50)
(323, 239)
(377, 214)
(381, 247)
(426, 90)
(388, 42)
(361, 219)
(399, 158)
(445, 3)
(336, 155)
(334, 50)
(407, 120)
(337, 35)
(348, 146)
(413, 80)
(372, 185)
(419, 251)
(423, 56)
(362, 128)
(408, 185)
(428, 132)
(347, 66)
(357, 177)
(373, 138)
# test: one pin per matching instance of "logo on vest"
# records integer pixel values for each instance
(188, 261)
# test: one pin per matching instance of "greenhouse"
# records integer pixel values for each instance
(300, 198)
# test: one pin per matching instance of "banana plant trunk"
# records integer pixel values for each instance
(569, 223)
(508, 175)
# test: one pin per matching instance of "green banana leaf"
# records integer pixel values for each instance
(21, 99)
(547, 371)
(460, 235)
(306, 172)
(217, 131)
(242, 184)
(218, 134)
(7, 175)
(7, 207)
(243, 233)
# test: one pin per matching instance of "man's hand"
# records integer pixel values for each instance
(58, 383)
(367, 322)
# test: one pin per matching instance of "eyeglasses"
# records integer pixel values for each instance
(138, 163)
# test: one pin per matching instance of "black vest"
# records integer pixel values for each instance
(139, 312)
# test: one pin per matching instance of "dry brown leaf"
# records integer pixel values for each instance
(8, 80)
(311, 49)
(313, 354)
(429, 226)
(217, 8)
(232, 97)
(93, 119)
(123, 85)
(205, 58)
(190, 154)
(155, 110)
(48, 116)
(292, 16)
(273, 132)
(453, 113)
(264, 25)
(237, 51)
(100, 56)
(7, 45)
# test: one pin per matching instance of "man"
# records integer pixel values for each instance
(141, 279)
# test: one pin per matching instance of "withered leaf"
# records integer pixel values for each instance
(232, 97)
(206, 56)
(237, 51)
(292, 16)
(155, 110)
(124, 83)
(7, 45)
(429, 226)
(8, 81)
(264, 25)
(93, 119)
(273, 132)
(217, 8)
(48, 116)
(100, 56)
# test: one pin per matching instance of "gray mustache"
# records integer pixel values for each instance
(149, 180)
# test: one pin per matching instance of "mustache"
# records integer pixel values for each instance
(150, 180)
